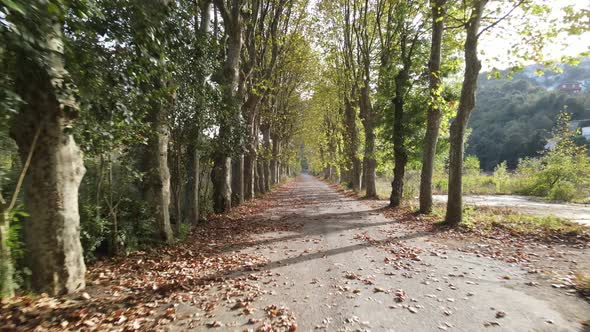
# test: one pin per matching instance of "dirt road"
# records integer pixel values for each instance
(347, 269)
(575, 212)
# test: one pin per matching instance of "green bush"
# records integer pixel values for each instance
(564, 191)
(471, 165)
(501, 177)
(94, 230)
(562, 173)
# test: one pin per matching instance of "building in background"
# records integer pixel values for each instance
(570, 87)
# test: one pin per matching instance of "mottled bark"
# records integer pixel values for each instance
(355, 172)
(274, 161)
(370, 164)
(260, 173)
(266, 164)
(363, 175)
(400, 154)
(157, 178)
(115, 246)
(328, 172)
(250, 110)
(237, 180)
(249, 175)
(435, 112)
(221, 181)
(193, 181)
(454, 213)
(267, 173)
(222, 168)
(52, 231)
(176, 183)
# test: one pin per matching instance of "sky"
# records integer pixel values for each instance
(495, 45)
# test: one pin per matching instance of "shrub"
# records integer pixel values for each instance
(564, 191)
(562, 173)
(471, 165)
(501, 176)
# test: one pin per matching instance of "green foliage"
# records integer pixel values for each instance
(471, 165)
(487, 219)
(564, 191)
(513, 117)
(94, 230)
(563, 172)
(501, 176)
(15, 241)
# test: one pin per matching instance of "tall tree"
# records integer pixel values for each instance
(162, 96)
(454, 214)
(438, 8)
(230, 119)
(55, 169)
(365, 30)
(409, 29)
(267, 25)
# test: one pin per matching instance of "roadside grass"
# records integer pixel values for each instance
(519, 222)
(478, 184)
(489, 221)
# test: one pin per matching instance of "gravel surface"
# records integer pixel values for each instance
(346, 270)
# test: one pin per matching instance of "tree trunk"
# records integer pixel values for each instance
(400, 155)
(260, 177)
(266, 164)
(249, 174)
(435, 111)
(370, 162)
(249, 110)
(176, 183)
(222, 168)
(52, 231)
(237, 180)
(454, 213)
(157, 179)
(274, 161)
(369, 124)
(192, 188)
(364, 175)
(221, 180)
(114, 242)
(256, 178)
(354, 174)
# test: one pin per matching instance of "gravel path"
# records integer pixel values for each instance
(348, 269)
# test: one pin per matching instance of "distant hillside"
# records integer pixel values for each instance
(513, 117)
(552, 80)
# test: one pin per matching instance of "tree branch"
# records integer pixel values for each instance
(501, 18)
(23, 172)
